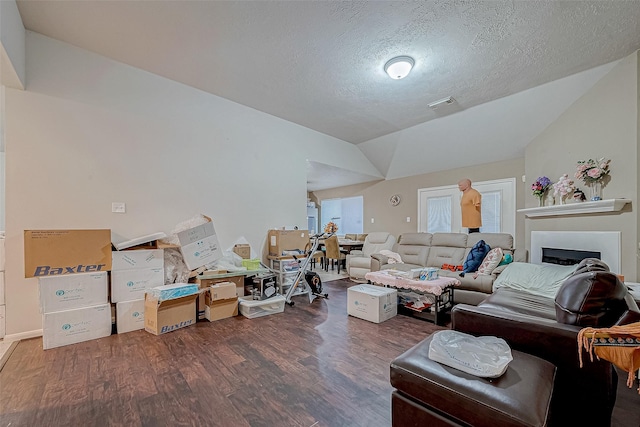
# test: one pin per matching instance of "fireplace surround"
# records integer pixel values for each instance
(606, 243)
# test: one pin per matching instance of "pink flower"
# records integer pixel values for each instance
(594, 173)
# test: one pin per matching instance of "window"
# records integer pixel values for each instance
(439, 208)
(346, 213)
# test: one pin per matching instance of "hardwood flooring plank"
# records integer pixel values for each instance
(311, 366)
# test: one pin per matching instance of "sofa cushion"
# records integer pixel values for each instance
(495, 240)
(490, 262)
(538, 279)
(594, 298)
(475, 257)
(413, 248)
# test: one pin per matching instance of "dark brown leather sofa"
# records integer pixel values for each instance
(548, 329)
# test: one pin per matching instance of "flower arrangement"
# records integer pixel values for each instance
(592, 171)
(540, 187)
(563, 187)
(331, 227)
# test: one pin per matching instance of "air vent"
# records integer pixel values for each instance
(442, 102)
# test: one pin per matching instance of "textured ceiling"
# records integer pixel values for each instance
(320, 63)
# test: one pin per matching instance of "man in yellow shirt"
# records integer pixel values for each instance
(470, 204)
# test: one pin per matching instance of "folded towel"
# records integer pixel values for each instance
(177, 290)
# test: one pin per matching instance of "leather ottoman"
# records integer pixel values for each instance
(429, 393)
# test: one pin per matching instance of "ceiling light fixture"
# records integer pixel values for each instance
(399, 67)
(444, 101)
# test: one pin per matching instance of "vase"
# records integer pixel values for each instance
(596, 191)
(541, 201)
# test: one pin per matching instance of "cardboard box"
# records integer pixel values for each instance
(200, 304)
(221, 309)
(150, 241)
(137, 259)
(238, 280)
(281, 241)
(161, 317)
(127, 285)
(71, 291)
(129, 316)
(58, 252)
(134, 272)
(373, 303)
(423, 273)
(222, 290)
(242, 249)
(199, 245)
(73, 326)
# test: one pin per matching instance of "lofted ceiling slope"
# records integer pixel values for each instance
(320, 63)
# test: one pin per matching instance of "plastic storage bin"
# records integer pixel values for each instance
(251, 308)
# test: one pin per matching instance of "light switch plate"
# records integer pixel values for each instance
(118, 207)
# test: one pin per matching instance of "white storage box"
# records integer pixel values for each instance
(129, 316)
(253, 308)
(138, 259)
(128, 285)
(73, 326)
(135, 271)
(199, 245)
(373, 303)
(71, 291)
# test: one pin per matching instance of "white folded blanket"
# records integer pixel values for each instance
(393, 257)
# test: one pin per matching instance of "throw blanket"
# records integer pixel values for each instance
(393, 257)
(619, 345)
(539, 279)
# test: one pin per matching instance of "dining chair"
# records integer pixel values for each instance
(317, 255)
(333, 253)
(350, 236)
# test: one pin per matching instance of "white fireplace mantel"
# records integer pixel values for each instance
(610, 205)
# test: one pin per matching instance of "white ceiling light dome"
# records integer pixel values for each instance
(399, 67)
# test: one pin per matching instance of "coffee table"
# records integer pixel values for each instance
(441, 288)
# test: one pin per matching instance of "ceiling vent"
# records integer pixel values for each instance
(442, 102)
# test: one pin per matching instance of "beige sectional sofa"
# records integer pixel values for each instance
(433, 250)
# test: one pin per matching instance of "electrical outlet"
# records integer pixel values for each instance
(408, 219)
(118, 207)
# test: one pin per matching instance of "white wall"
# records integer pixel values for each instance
(602, 123)
(89, 131)
(12, 45)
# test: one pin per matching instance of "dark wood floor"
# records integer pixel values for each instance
(309, 366)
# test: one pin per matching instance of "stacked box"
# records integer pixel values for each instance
(205, 282)
(221, 301)
(129, 316)
(165, 316)
(133, 272)
(72, 291)
(199, 245)
(75, 308)
(283, 242)
(60, 328)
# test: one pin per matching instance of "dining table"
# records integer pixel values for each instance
(346, 245)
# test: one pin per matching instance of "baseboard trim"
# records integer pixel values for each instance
(7, 354)
(23, 335)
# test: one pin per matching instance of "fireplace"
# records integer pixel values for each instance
(569, 247)
(566, 256)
